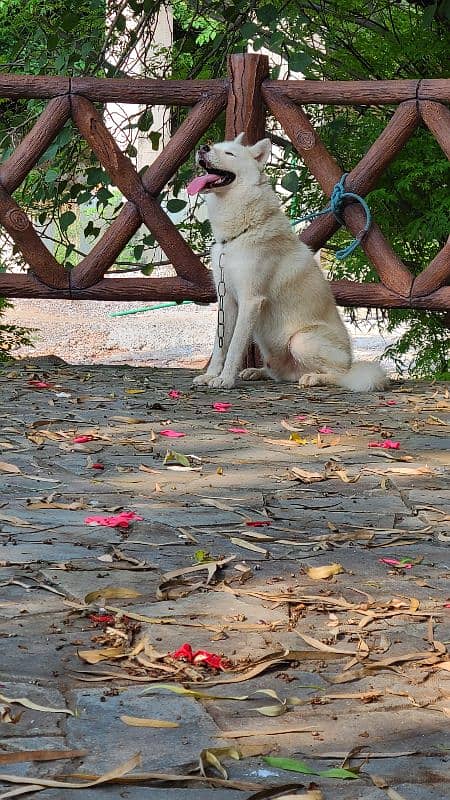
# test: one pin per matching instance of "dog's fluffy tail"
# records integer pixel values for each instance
(364, 376)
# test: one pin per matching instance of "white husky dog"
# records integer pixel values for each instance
(275, 292)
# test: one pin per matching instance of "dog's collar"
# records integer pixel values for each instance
(232, 238)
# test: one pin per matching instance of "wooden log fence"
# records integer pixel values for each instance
(246, 96)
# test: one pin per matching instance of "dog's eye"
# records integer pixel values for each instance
(227, 153)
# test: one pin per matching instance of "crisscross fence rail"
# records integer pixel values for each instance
(246, 95)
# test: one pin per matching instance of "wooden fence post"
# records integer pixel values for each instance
(246, 112)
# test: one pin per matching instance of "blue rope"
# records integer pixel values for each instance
(338, 196)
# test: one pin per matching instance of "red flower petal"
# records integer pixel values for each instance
(258, 523)
(175, 394)
(83, 438)
(210, 659)
(97, 465)
(184, 653)
(102, 619)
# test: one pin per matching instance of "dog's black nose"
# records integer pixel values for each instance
(205, 148)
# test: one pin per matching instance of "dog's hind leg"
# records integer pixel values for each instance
(330, 378)
(321, 361)
(254, 374)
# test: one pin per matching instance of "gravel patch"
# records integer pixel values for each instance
(83, 332)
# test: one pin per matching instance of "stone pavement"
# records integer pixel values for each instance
(355, 656)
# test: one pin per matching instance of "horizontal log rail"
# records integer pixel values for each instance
(246, 95)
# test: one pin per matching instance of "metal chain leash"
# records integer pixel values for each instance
(221, 292)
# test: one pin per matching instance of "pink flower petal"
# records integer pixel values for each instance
(326, 429)
(121, 520)
(394, 562)
(175, 394)
(237, 430)
(171, 434)
(386, 444)
(300, 417)
(388, 403)
(221, 406)
(39, 384)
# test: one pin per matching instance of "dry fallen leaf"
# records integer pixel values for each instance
(243, 733)
(33, 782)
(20, 756)
(96, 656)
(16, 521)
(23, 701)
(312, 794)
(111, 591)
(305, 476)
(10, 469)
(321, 573)
(142, 722)
(248, 545)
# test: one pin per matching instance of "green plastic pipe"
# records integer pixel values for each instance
(149, 308)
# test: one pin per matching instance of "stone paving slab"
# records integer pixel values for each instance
(369, 504)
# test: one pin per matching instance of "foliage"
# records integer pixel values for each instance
(11, 336)
(334, 39)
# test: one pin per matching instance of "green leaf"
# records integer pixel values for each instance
(175, 205)
(268, 14)
(290, 182)
(103, 195)
(248, 29)
(172, 457)
(293, 765)
(155, 137)
(70, 21)
(95, 175)
(67, 219)
(145, 121)
(428, 15)
(338, 772)
(51, 176)
(170, 687)
(290, 764)
(299, 61)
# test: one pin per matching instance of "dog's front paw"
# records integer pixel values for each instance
(253, 374)
(310, 379)
(222, 382)
(203, 379)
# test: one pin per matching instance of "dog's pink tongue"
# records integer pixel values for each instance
(199, 183)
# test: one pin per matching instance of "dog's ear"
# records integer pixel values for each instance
(261, 151)
(239, 138)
